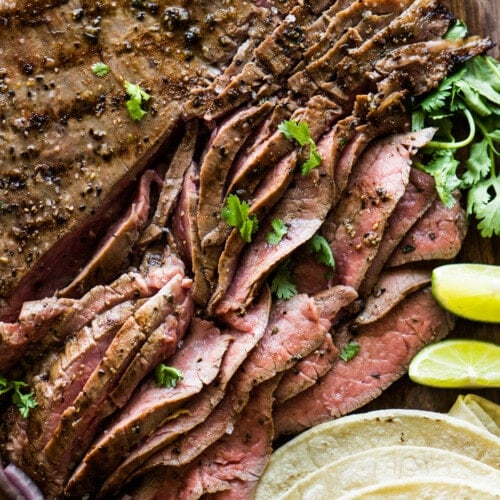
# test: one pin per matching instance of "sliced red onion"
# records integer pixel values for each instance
(26, 486)
(7, 489)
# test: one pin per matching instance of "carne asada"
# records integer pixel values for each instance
(129, 129)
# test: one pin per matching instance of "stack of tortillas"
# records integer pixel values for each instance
(403, 454)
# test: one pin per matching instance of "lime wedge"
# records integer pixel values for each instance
(471, 291)
(457, 363)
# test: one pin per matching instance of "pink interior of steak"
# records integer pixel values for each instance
(118, 255)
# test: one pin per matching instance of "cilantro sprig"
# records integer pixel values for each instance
(282, 284)
(235, 214)
(167, 376)
(299, 131)
(24, 401)
(279, 230)
(137, 98)
(470, 96)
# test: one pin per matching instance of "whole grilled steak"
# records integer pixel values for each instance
(158, 216)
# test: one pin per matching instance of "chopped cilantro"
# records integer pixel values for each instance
(167, 376)
(471, 95)
(322, 250)
(282, 285)
(235, 214)
(24, 402)
(137, 97)
(300, 132)
(279, 230)
(100, 69)
(349, 351)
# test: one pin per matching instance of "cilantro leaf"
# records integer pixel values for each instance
(167, 376)
(295, 130)
(100, 69)
(24, 402)
(279, 230)
(443, 167)
(137, 97)
(349, 351)
(477, 164)
(282, 285)
(484, 202)
(235, 214)
(299, 131)
(322, 250)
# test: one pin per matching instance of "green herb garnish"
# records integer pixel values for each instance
(472, 95)
(137, 98)
(349, 351)
(25, 402)
(167, 376)
(282, 285)
(100, 69)
(279, 230)
(322, 250)
(235, 214)
(300, 132)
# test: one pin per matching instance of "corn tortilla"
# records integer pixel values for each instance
(387, 464)
(336, 439)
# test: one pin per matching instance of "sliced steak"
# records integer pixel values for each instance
(228, 138)
(266, 195)
(386, 349)
(302, 209)
(80, 420)
(419, 195)
(217, 161)
(438, 235)
(114, 251)
(199, 361)
(376, 185)
(319, 113)
(185, 233)
(391, 288)
(294, 330)
(307, 371)
(246, 331)
(75, 147)
(172, 184)
(232, 465)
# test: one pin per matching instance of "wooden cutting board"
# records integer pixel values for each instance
(482, 18)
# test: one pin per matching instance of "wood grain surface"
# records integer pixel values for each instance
(482, 18)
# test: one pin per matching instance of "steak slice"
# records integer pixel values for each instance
(438, 235)
(231, 465)
(377, 183)
(199, 360)
(419, 195)
(246, 331)
(391, 288)
(302, 209)
(386, 348)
